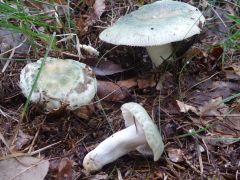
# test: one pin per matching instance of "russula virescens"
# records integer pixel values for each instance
(155, 26)
(61, 82)
(140, 134)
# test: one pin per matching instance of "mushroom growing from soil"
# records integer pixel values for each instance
(140, 134)
(155, 26)
(61, 82)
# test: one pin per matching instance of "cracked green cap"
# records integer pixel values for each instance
(61, 82)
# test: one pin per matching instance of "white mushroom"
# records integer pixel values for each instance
(155, 26)
(61, 82)
(140, 132)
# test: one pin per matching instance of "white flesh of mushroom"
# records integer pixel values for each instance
(143, 134)
(112, 148)
(160, 53)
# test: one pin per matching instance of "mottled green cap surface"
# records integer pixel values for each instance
(155, 24)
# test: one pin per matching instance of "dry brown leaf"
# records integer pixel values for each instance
(25, 167)
(85, 112)
(65, 171)
(129, 83)
(186, 108)
(146, 83)
(99, 7)
(110, 91)
(216, 52)
(82, 23)
(232, 71)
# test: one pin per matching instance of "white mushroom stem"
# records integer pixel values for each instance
(159, 53)
(115, 146)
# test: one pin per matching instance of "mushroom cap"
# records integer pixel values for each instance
(134, 113)
(155, 24)
(60, 82)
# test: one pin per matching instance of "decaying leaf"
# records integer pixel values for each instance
(25, 167)
(186, 108)
(214, 108)
(105, 68)
(83, 22)
(129, 83)
(110, 91)
(232, 71)
(10, 39)
(144, 83)
(85, 112)
(22, 139)
(65, 171)
(99, 7)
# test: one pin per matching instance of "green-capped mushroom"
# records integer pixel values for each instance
(61, 82)
(140, 132)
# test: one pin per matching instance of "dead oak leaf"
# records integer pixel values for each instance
(25, 167)
(186, 108)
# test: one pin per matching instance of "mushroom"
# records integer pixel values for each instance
(140, 133)
(155, 26)
(61, 82)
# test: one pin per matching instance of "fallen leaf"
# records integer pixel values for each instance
(129, 83)
(22, 139)
(186, 108)
(175, 155)
(146, 83)
(65, 171)
(216, 52)
(25, 167)
(99, 7)
(82, 23)
(110, 91)
(232, 71)
(10, 39)
(85, 112)
(105, 68)
(214, 108)
(165, 83)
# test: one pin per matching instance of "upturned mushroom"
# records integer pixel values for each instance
(155, 26)
(61, 82)
(140, 134)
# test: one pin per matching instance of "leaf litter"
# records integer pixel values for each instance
(188, 99)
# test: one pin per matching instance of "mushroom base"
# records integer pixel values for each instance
(160, 53)
(115, 146)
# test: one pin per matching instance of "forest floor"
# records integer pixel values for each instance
(194, 100)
